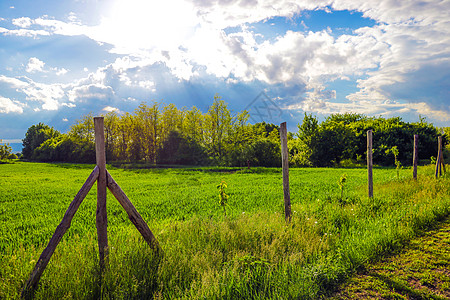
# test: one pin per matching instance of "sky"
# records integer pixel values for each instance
(278, 59)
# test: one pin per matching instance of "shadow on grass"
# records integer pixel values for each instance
(403, 289)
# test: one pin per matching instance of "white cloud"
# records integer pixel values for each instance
(24, 32)
(411, 40)
(9, 106)
(65, 120)
(60, 72)
(35, 65)
(13, 82)
(110, 109)
(23, 22)
(49, 96)
(91, 92)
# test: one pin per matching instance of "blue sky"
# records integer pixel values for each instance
(62, 59)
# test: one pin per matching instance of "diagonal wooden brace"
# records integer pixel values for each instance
(133, 214)
(32, 282)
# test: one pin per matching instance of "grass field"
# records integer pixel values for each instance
(251, 253)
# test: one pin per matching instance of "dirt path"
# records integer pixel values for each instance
(420, 271)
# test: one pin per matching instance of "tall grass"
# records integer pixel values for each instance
(251, 254)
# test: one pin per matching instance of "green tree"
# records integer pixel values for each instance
(83, 129)
(6, 152)
(218, 125)
(111, 124)
(193, 125)
(147, 131)
(265, 152)
(35, 136)
(180, 150)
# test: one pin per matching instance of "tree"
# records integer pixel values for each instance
(171, 120)
(147, 131)
(83, 129)
(111, 121)
(193, 125)
(217, 129)
(35, 136)
(265, 153)
(6, 152)
(179, 150)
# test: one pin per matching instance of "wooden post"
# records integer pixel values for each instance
(32, 282)
(439, 159)
(99, 174)
(369, 163)
(285, 165)
(442, 155)
(415, 155)
(101, 217)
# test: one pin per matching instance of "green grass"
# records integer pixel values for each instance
(251, 253)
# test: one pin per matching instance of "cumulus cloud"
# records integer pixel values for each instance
(91, 92)
(35, 65)
(109, 109)
(23, 22)
(9, 106)
(405, 53)
(49, 96)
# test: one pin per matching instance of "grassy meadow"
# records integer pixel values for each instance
(250, 253)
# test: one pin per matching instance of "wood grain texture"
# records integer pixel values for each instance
(369, 164)
(101, 214)
(285, 165)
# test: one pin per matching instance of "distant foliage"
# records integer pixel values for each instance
(343, 137)
(6, 153)
(164, 134)
(35, 136)
(180, 150)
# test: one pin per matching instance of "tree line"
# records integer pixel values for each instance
(159, 133)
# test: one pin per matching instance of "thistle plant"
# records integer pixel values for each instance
(223, 197)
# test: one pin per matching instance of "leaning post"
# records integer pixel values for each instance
(285, 165)
(369, 163)
(415, 155)
(101, 217)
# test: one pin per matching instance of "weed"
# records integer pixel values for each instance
(341, 184)
(223, 197)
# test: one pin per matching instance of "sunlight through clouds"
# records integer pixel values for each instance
(137, 25)
(329, 56)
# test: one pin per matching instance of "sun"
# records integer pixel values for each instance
(142, 24)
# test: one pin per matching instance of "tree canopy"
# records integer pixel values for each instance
(165, 134)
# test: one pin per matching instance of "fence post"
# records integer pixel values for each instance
(101, 217)
(415, 155)
(285, 165)
(442, 156)
(369, 163)
(439, 158)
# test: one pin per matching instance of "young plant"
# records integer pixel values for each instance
(398, 164)
(223, 197)
(341, 184)
(433, 160)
